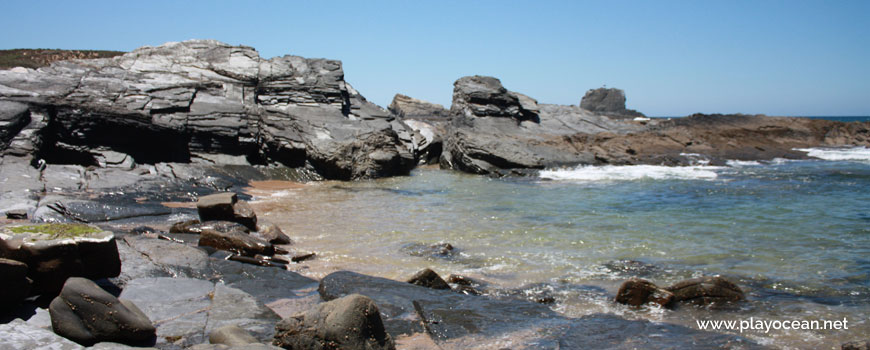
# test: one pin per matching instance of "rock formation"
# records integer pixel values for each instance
(498, 132)
(610, 102)
(412, 108)
(200, 101)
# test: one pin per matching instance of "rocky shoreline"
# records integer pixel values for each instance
(131, 143)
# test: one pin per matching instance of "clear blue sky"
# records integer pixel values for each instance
(671, 57)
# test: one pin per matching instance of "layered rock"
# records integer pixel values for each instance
(491, 133)
(610, 102)
(200, 101)
(411, 108)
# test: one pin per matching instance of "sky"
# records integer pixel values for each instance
(672, 58)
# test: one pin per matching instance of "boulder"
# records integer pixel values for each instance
(235, 241)
(226, 206)
(271, 233)
(16, 285)
(87, 314)
(352, 323)
(231, 335)
(482, 96)
(206, 102)
(609, 102)
(706, 291)
(429, 279)
(412, 108)
(637, 292)
(16, 214)
(55, 252)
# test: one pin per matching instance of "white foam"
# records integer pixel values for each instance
(591, 173)
(861, 153)
(741, 163)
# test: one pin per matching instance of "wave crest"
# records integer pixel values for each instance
(592, 173)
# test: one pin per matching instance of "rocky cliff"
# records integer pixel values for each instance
(497, 131)
(610, 102)
(200, 101)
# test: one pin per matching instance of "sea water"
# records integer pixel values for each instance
(795, 235)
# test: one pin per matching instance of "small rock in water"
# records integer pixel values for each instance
(16, 214)
(636, 292)
(87, 314)
(706, 291)
(302, 257)
(429, 279)
(349, 323)
(270, 232)
(437, 250)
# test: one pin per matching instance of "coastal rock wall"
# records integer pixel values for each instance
(201, 101)
(489, 135)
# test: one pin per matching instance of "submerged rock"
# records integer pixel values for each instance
(637, 292)
(87, 314)
(352, 322)
(429, 279)
(706, 291)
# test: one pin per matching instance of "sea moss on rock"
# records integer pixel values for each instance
(56, 231)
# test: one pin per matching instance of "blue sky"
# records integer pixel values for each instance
(671, 57)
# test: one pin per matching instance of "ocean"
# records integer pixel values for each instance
(794, 235)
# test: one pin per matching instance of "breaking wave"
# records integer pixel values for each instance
(861, 153)
(630, 172)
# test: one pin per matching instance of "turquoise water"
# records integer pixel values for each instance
(795, 235)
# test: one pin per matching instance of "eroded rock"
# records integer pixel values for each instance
(710, 290)
(352, 322)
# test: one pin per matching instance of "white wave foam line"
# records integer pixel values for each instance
(630, 172)
(740, 163)
(840, 153)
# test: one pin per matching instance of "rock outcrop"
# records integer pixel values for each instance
(495, 131)
(636, 292)
(200, 101)
(609, 102)
(412, 108)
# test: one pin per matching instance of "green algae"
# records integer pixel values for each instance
(56, 231)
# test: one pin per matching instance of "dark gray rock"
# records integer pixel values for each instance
(609, 102)
(482, 96)
(200, 101)
(412, 108)
(196, 227)
(87, 314)
(217, 207)
(236, 241)
(16, 285)
(352, 322)
(429, 279)
(637, 292)
(709, 290)
(16, 214)
(441, 250)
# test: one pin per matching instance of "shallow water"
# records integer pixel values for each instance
(795, 235)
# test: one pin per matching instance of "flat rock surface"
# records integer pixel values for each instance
(19, 335)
